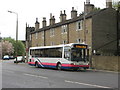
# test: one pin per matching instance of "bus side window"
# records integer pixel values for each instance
(31, 53)
(55, 52)
(46, 53)
(40, 55)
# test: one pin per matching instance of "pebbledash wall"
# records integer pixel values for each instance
(100, 29)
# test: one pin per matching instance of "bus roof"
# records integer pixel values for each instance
(62, 45)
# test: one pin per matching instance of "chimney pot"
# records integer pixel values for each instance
(44, 22)
(60, 12)
(52, 20)
(62, 16)
(36, 24)
(87, 1)
(73, 13)
(64, 11)
(37, 19)
(88, 7)
(72, 8)
(50, 15)
(44, 18)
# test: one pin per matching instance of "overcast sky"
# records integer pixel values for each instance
(28, 10)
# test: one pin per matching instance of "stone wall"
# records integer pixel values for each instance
(104, 32)
(110, 63)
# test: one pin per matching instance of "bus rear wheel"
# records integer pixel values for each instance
(59, 66)
(36, 65)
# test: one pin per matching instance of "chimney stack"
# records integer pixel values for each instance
(62, 16)
(73, 13)
(108, 3)
(88, 7)
(52, 19)
(44, 22)
(36, 24)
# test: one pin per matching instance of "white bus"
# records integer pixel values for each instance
(68, 56)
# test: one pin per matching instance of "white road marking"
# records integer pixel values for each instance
(98, 86)
(36, 76)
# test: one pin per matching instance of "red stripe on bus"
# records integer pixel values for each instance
(52, 64)
(64, 65)
(31, 62)
(69, 65)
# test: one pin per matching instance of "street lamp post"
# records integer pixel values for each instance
(0, 46)
(16, 31)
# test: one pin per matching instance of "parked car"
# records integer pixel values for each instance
(6, 57)
(19, 59)
(11, 57)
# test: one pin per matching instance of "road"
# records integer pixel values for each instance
(24, 76)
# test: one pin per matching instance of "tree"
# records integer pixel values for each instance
(116, 4)
(19, 46)
(7, 48)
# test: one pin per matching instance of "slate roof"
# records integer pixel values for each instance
(81, 17)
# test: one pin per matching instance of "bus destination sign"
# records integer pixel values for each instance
(79, 46)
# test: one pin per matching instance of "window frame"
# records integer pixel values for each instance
(42, 34)
(64, 29)
(30, 37)
(36, 35)
(64, 42)
(52, 32)
(52, 43)
(79, 25)
(78, 40)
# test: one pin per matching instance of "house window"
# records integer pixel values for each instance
(64, 42)
(42, 35)
(36, 35)
(64, 29)
(52, 43)
(78, 40)
(79, 25)
(52, 32)
(30, 37)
